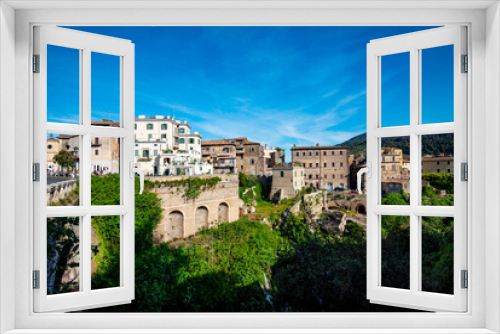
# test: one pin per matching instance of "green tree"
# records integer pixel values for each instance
(64, 159)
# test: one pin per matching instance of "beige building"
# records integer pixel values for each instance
(105, 151)
(440, 165)
(287, 182)
(272, 157)
(62, 143)
(325, 167)
(221, 153)
(394, 176)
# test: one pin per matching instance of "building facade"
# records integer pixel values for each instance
(325, 167)
(287, 182)
(439, 165)
(162, 141)
(220, 153)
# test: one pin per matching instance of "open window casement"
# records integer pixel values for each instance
(419, 292)
(67, 246)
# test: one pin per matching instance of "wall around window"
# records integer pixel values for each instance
(479, 144)
(7, 170)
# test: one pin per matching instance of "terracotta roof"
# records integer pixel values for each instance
(319, 148)
(244, 141)
(216, 142)
(437, 158)
(106, 122)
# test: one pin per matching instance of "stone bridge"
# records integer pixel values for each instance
(183, 217)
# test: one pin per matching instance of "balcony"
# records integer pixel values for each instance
(224, 164)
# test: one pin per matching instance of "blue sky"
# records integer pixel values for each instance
(275, 85)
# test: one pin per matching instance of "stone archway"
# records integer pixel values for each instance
(360, 208)
(329, 187)
(175, 225)
(201, 218)
(223, 213)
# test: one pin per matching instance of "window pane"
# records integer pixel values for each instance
(395, 89)
(396, 251)
(437, 254)
(105, 88)
(395, 170)
(437, 170)
(105, 245)
(105, 160)
(63, 169)
(437, 85)
(63, 85)
(63, 255)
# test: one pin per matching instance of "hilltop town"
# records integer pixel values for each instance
(233, 213)
(170, 152)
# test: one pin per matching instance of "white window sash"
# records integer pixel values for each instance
(86, 297)
(415, 297)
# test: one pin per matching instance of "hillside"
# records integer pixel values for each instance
(431, 144)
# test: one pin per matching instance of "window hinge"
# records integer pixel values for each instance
(36, 63)
(465, 64)
(36, 172)
(36, 279)
(465, 279)
(464, 171)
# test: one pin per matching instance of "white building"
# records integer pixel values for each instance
(162, 141)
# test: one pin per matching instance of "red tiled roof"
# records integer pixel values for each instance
(216, 142)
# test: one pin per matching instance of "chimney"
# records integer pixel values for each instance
(266, 146)
(317, 144)
(294, 145)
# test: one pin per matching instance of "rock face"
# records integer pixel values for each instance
(183, 217)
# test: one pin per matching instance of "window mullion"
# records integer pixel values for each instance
(414, 168)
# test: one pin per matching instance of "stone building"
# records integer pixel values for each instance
(287, 182)
(166, 137)
(325, 167)
(272, 157)
(394, 176)
(182, 218)
(249, 156)
(439, 165)
(221, 153)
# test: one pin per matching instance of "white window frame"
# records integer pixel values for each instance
(484, 265)
(85, 43)
(414, 43)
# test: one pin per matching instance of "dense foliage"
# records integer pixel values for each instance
(246, 266)
(432, 145)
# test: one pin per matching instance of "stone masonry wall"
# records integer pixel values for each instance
(183, 217)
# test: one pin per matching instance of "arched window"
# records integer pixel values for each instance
(252, 161)
(282, 174)
(181, 130)
(252, 149)
(150, 126)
